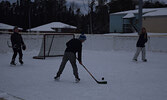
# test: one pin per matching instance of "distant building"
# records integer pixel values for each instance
(127, 21)
(156, 21)
(57, 27)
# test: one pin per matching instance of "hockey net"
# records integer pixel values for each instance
(53, 45)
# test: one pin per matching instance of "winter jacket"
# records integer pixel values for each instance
(142, 40)
(17, 40)
(75, 46)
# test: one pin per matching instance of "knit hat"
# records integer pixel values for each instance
(82, 37)
(15, 27)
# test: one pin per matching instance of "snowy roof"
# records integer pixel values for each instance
(50, 26)
(6, 26)
(157, 12)
(133, 11)
(146, 12)
(129, 15)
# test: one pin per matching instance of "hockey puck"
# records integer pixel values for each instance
(102, 78)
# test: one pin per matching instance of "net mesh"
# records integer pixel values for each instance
(54, 45)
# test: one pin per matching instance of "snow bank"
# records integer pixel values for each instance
(33, 42)
(95, 42)
(158, 43)
(124, 43)
(108, 43)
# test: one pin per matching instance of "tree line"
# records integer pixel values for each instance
(27, 14)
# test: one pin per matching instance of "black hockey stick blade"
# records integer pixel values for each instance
(102, 82)
(99, 82)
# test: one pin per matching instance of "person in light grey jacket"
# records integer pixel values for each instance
(141, 45)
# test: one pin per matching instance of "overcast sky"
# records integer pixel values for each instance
(83, 3)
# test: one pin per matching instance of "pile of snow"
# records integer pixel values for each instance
(107, 42)
(33, 42)
(124, 42)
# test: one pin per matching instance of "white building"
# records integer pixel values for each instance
(57, 27)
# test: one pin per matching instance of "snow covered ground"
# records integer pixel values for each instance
(127, 80)
(7, 96)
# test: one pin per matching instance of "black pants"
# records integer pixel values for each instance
(15, 51)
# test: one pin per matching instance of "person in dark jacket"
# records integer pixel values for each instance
(141, 45)
(17, 44)
(73, 46)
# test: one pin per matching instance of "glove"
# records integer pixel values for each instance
(24, 47)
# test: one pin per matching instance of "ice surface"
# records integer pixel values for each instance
(127, 80)
(6, 96)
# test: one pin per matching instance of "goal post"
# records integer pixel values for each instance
(53, 45)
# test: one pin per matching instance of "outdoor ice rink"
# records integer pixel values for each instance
(127, 80)
(112, 33)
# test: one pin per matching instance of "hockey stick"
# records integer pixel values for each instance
(9, 45)
(99, 82)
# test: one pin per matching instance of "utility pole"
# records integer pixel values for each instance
(91, 26)
(29, 16)
(90, 11)
(140, 15)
